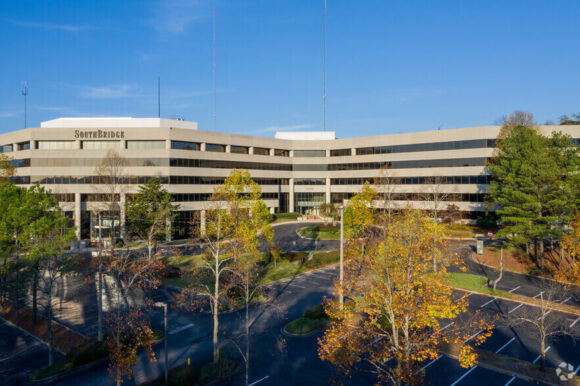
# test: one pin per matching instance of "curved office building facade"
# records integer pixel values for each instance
(297, 171)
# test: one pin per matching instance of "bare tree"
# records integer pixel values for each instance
(385, 186)
(500, 268)
(109, 185)
(537, 318)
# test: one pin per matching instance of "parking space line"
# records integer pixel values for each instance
(473, 336)
(486, 303)
(464, 375)
(509, 312)
(539, 356)
(510, 381)
(505, 345)
(577, 368)
(259, 380)
(430, 363)
(574, 322)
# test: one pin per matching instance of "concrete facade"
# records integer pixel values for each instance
(295, 174)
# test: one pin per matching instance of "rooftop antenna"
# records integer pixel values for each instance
(324, 63)
(24, 94)
(158, 97)
(213, 73)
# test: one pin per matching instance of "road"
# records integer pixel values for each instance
(279, 359)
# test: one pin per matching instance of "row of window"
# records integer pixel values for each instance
(435, 163)
(479, 180)
(338, 198)
(19, 146)
(201, 163)
(433, 146)
(309, 181)
(177, 180)
(196, 146)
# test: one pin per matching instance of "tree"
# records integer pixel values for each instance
(386, 185)
(537, 320)
(149, 212)
(235, 214)
(328, 210)
(129, 329)
(359, 215)
(517, 118)
(110, 177)
(55, 262)
(570, 272)
(533, 181)
(396, 306)
(565, 120)
(6, 168)
(251, 215)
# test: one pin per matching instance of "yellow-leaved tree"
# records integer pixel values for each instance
(397, 304)
(570, 273)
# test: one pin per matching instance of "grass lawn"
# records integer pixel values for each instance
(320, 233)
(465, 230)
(475, 283)
(305, 325)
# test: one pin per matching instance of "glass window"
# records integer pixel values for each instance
(281, 153)
(239, 149)
(55, 145)
(310, 181)
(261, 151)
(340, 152)
(309, 153)
(215, 147)
(6, 149)
(24, 146)
(182, 145)
(145, 145)
(94, 145)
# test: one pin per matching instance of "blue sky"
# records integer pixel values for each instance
(392, 66)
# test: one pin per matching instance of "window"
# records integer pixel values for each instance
(310, 181)
(94, 145)
(340, 152)
(21, 163)
(215, 147)
(239, 149)
(55, 145)
(433, 146)
(6, 149)
(23, 146)
(182, 145)
(309, 153)
(261, 151)
(145, 145)
(281, 153)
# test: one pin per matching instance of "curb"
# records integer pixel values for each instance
(522, 274)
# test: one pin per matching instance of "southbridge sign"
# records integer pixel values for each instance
(99, 134)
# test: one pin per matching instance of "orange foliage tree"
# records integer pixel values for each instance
(393, 316)
(571, 247)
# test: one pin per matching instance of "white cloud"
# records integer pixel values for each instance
(61, 27)
(67, 111)
(8, 114)
(175, 16)
(116, 91)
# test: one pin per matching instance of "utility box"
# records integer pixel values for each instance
(480, 246)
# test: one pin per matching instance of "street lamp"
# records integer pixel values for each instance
(164, 305)
(341, 296)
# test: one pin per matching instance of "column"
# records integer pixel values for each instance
(77, 215)
(251, 150)
(168, 144)
(202, 146)
(228, 148)
(291, 195)
(328, 190)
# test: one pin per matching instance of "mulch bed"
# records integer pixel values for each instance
(64, 339)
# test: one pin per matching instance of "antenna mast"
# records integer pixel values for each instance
(158, 97)
(24, 94)
(324, 63)
(213, 73)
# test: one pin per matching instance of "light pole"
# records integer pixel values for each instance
(341, 297)
(164, 305)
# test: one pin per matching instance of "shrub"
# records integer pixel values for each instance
(90, 352)
(323, 258)
(316, 312)
(49, 371)
(291, 215)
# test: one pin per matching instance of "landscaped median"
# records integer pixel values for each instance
(288, 265)
(478, 284)
(320, 232)
(312, 319)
